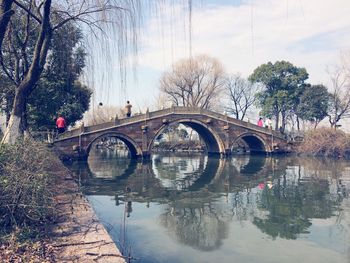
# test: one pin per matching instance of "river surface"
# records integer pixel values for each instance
(194, 208)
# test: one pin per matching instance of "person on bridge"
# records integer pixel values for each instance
(60, 124)
(281, 130)
(268, 123)
(260, 122)
(128, 109)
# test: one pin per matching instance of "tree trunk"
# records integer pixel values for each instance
(332, 121)
(298, 123)
(283, 121)
(5, 15)
(15, 127)
(277, 117)
(276, 111)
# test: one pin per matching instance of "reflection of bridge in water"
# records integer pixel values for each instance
(191, 183)
(150, 179)
(220, 133)
(278, 196)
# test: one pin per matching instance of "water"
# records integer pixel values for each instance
(192, 208)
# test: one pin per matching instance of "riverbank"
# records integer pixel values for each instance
(325, 142)
(64, 228)
(78, 235)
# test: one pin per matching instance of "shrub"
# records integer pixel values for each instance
(326, 142)
(26, 197)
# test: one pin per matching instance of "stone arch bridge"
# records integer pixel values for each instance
(219, 132)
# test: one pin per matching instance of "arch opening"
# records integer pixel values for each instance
(116, 142)
(250, 143)
(206, 139)
(206, 135)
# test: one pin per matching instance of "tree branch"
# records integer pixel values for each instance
(87, 11)
(28, 11)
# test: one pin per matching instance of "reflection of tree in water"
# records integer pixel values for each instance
(178, 172)
(292, 202)
(233, 180)
(202, 227)
(248, 165)
(108, 163)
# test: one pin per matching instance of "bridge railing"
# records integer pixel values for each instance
(255, 127)
(100, 126)
(241, 123)
(47, 136)
(71, 133)
(134, 118)
(164, 112)
(212, 114)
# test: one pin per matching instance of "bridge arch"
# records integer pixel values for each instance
(134, 149)
(210, 137)
(254, 142)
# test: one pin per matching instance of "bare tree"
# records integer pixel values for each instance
(50, 17)
(195, 82)
(339, 107)
(241, 94)
(160, 102)
(103, 114)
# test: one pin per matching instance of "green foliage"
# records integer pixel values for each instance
(25, 185)
(56, 98)
(283, 84)
(279, 76)
(58, 90)
(292, 206)
(314, 103)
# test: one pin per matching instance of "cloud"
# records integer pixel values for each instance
(242, 34)
(308, 33)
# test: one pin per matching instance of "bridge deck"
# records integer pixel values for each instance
(148, 116)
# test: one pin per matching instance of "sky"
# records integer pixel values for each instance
(241, 34)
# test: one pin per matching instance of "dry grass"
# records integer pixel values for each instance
(26, 185)
(14, 250)
(326, 142)
(26, 202)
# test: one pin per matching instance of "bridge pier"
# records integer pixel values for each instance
(224, 154)
(228, 152)
(146, 155)
(75, 156)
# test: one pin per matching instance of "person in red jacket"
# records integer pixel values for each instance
(60, 124)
